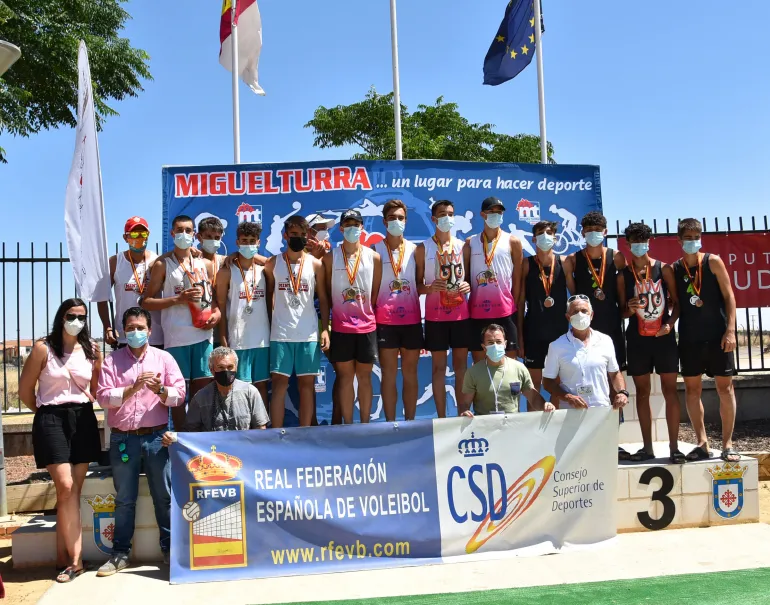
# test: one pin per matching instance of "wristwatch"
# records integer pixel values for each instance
(623, 392)
(162, 390)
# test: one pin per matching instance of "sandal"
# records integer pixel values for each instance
(698, 453)
(730, 455)
(69, 574)
(642, 456)
(623, 454)
(677, 457)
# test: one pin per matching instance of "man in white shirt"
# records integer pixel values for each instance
(581, 364)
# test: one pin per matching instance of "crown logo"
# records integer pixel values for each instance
(216, 466)
(473, 447)
(728, 471)
(102, 505)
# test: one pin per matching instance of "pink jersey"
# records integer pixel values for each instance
(398, 303)
(352, 303)
(447, 265)
(492, 286)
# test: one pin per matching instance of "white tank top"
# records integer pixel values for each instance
(491, 292)
(247, 330)
(127, 294)
(178, 330)
(352, 310)
(294, 317)
(445, 306)
(398, 303)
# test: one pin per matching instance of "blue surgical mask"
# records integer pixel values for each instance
(493, 221)
(495, 352)
(248, 251)
(691, 246)
(211, 245)
(639, 250)
(544, 241)
(137, 338)
(183, 240)
(396, 227)
(445, 223)
(352, 234)
(594, 238)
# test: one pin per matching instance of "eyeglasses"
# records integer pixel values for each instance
(73, 317)
(138, 234)
(578, 297)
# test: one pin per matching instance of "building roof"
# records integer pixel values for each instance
(12, 344)
(524, 204)
(244, 207)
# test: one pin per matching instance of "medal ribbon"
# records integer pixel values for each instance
(547, 281)
(295, 282)
(139, 284)
(351, 275)
(599, 282)
(444, 258)
(698, 275)
(193, 273)
(647, 279)
(396, 267)
(485, 242)
(246, 285)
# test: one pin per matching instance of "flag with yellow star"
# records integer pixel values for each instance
(514, 44)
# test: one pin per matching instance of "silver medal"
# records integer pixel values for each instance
(294, 302)
(248, 309)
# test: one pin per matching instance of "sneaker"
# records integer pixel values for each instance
(117, 562)
(166, 558)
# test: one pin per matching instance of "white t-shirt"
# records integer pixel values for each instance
(574, 363)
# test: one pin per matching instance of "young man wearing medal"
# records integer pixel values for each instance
(189, 311)
(245, 326)
(353, 275)
(493, 260)
(544, 290)
(293, 280)
(441, 277)
(644, 288)
(593, 271)
(706, 335)
(130, 274)
(398, 314)
(493, 386)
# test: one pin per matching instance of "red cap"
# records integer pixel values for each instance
(134, 222)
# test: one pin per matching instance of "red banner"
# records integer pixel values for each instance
(746, 256)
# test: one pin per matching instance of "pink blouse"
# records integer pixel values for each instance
(55, 384)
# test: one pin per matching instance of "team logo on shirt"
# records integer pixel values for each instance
(256, 293)
(486, 278)
(351, 295)
(728, 489)
(285, 285)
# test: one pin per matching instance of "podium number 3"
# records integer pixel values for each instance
(660, 495)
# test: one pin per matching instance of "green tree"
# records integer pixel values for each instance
(435, 132)
(40, 90)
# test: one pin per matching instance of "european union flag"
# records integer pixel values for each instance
(514, 45)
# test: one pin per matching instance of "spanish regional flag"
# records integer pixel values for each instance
(249, 25)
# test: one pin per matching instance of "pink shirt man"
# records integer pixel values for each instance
(145, 409)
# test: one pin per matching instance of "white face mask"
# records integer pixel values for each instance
(322, 235)
(445, 223)
(74, 327)
(580, 321)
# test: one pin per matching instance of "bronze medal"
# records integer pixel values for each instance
(599, 294)
(696, 301)
(549, 302)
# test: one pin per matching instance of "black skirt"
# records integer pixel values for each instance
(67, 432)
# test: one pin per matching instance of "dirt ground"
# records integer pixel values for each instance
(22, 587)
(752, 436)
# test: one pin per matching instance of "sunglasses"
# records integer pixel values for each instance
(138, 234)
(578, 297)
(73, 317)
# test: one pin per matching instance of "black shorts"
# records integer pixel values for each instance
(445, 335)
(648, 353)
(353, 347)
(509, 325)
(697, 358)
(407, 337)
(535, 352)
(67, 432)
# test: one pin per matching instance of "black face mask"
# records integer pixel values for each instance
(297, 244)
(225, 377)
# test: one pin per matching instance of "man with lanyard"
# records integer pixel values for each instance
(644, 287)
(130, 274)
(245, 326)
(353, 275)
(440, 275)
(188, 308)
(514, 379)
(493, 260)
(544, 289)
(293, 279)
(706, 335)
(398, 314)
(581, 364)
(593, 272)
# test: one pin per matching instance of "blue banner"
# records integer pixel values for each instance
(270, 193)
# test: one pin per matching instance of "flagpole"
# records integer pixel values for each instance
(396, 88)
(540, 85)
(236, 105)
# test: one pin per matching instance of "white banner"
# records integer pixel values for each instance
(84, 202)
(526, 483)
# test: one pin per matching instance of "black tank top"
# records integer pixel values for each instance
(606, 313)
(545, 323)
(655, 299)
(708, 322)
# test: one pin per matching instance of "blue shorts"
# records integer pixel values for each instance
(253, 365)
(193, 360)
(300, 358)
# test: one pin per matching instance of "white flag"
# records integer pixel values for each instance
(249, 25)
(84, 202)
